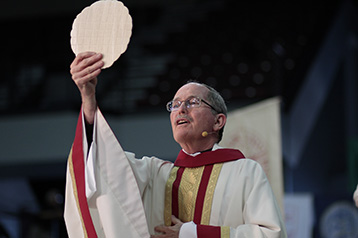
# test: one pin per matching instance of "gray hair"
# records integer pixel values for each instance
(215, 100)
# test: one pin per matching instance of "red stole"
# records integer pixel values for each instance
(207, 158)
(77, 169)
(195, 175)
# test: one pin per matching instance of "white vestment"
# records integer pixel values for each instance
(121, 189)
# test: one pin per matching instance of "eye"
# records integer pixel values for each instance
(193, 102)
(176, 104)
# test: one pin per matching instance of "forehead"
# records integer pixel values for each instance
(191, 89)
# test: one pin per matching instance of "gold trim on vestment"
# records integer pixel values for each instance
(75, 192)
(209, 194)
(168, 196)
(225, 232)
(188, 191)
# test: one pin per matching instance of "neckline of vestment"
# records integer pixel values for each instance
(207, 158)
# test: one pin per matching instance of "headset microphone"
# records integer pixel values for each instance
(205, 133)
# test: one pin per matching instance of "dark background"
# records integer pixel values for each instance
(247, 50)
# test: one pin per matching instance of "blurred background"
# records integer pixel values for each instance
(304, 52)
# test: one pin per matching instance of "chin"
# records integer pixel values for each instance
(180, 137)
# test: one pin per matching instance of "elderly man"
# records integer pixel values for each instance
(208, 192)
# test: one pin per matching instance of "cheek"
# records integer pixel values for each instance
(172, 120)
(205, 121)
(172, 117)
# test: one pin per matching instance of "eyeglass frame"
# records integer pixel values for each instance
(187, 105)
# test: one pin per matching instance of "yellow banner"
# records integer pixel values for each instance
(256, 131)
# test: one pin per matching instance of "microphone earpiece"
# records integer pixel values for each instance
(204, 134)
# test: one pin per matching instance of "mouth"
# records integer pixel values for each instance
(182, 121)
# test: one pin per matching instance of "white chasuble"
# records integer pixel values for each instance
(110, 193)
(115, 208)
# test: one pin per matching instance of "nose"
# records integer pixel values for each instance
(182, 108)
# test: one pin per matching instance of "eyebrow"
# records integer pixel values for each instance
(191, 96)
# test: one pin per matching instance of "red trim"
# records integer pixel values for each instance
(175, 194)
(206, 158)
(204, 231)
(79, 172)
(199, 203)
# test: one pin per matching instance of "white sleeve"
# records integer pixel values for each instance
(90, 164)
(134, 183)
(116, 196)
(262, 217)
(244, 201)
(188, 230)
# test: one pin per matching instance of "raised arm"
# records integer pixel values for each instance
(84, 70)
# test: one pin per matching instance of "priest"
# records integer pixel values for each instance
(208, 191)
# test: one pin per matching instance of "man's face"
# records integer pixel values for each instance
(188, 124)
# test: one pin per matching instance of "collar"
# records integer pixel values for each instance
(217, 155)
(215, 147)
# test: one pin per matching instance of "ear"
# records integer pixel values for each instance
(219, 122)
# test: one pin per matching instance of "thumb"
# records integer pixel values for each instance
(175, 220)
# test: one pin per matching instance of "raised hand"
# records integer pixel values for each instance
(84, 70)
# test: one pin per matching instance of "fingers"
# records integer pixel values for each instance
(165, 229)
(85, 56)
(169, 231)
(176, 220)
(80, 57)
(86, 66)
(84, 70)
(162, 229)
(86, 76)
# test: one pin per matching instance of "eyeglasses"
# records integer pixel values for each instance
(174, 105)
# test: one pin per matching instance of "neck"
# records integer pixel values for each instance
(197, 147)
